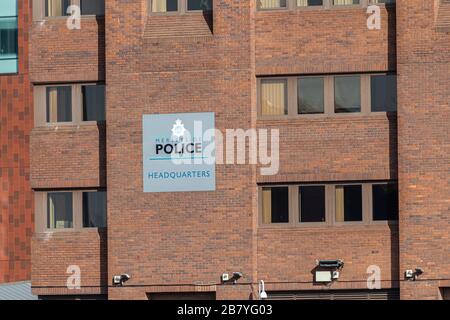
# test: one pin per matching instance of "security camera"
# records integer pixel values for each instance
(120, 280)
(236, 276)
(419, 271)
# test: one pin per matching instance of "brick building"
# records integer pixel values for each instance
(16, 122)
(362, 114)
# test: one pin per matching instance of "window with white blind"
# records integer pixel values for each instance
(274, 97)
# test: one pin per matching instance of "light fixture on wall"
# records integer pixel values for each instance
(120, 280)
(327, 271)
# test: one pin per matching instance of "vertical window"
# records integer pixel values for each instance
(93, 7)
(93, 102)
(385, 201)
(164, 5)
(8, 37)
(274, 97)
(310, 95)
(59, 210)
(311, 203)
(275, 205)
(383, 93)
(348, 206)
(56, 8)
(308, 3)
(94, 209)
(347, 94)
(204, 5)
(272, 4)
(59, 104)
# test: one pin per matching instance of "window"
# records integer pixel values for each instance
(8, 37)
(56, 8)
(164, 5)
(94, 209)
(93, 102)
(59, 104)
(203, 5)
(385, 201)
(312, 203)
(345, 2)
(74, 209)
(328, 204)
(347, 94)
(383, 93)
(272, 4)
(309, 3)
(327, 95)
(93, 7)
(310, 95)
(382, 1)
(274, 97)
(69, 103)
(348, 206)
(59, 210)
(275, 205)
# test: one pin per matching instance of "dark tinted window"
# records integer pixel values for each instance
(93, 103)
(59, 210)
(93, 7)
(312, 203)
(385, 201)
(310, 95)
(205, 5)
(94, 209)
(347, 94)
(348, 203)
(383, 93)
(312, 2)
(275, 205)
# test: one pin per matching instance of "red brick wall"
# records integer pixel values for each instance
(68, 156)
(188, 239)
(287, 258)
(54, 252)
(63, 55)
(178, 238)
(424, 115)
(16, 201)
(335, 149)
(323, 41)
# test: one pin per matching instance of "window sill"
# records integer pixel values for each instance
(326, 227)
(61, 18)
(328, 116)
(49, 232)
(178, 13)
(54, 125)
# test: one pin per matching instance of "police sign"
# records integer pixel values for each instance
(178, 151)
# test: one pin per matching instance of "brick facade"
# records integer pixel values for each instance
(16, 122)
(424, 115)
(183, 242)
